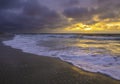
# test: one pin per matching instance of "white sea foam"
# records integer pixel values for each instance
(91, 55)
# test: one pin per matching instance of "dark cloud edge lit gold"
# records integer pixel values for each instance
(68, 16)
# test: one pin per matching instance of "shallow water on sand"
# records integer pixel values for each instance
(91, 53)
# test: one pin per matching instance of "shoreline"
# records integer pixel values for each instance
(16, 64)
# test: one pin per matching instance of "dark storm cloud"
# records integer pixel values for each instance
(110, 16)
(40, 14)
(78, 13)
(108, 9)
(34, 9)
(73, 2)
(75, 12)
(70, 3)
(32, 15)
(8, 4)
(105, 9)
(29, 17)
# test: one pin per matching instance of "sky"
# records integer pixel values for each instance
(60, 16)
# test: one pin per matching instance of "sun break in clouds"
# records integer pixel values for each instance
(60, 16)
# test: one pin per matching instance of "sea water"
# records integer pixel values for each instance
(90, 52)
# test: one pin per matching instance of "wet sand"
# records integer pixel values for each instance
(17, 67)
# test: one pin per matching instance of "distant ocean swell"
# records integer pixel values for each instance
(91, 53)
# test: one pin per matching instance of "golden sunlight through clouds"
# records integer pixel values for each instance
(105, 27)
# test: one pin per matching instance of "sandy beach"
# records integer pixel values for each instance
(17, 67)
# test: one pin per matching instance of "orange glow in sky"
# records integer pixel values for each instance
(94, 28)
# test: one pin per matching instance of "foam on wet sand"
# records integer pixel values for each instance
(90, 55)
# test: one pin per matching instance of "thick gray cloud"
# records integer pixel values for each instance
(71, 3)
(104, 9)
(30, 16)
(79, 14)
(109, 9)
(39, 14)
(9, 4)
(33, 15)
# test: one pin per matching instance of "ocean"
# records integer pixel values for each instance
(94, 53)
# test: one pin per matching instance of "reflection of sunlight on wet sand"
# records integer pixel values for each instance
(82, 71)
(90, 54)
